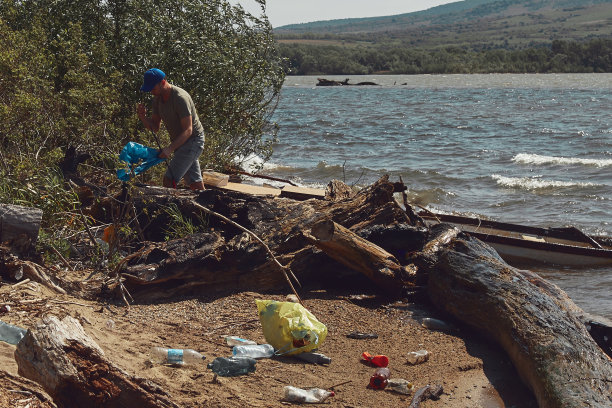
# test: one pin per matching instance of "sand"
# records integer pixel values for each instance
(472, 370)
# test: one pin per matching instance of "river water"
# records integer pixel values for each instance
(530, 149)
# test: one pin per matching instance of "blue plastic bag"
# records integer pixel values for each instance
(134, 153)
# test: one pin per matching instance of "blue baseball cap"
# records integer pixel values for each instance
(152, 77)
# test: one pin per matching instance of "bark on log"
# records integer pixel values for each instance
(535, 322)
(350, 249)
(20, 225)
(72, 368)
(36, 396)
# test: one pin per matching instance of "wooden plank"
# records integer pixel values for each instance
(251, 189)
(302, 193)
(534, 239)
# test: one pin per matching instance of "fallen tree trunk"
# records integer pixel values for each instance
(535, 322)
(72, 369)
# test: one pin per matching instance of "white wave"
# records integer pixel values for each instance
(537, 159)
(530, 183)
(253, 163)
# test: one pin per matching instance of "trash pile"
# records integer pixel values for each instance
(289, 330)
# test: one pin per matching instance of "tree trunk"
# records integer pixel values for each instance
(71, 367)
(540, 328)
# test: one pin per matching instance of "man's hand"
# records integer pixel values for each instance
(165, 152)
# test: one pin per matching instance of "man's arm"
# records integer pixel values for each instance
(153, 123)
(186, 125)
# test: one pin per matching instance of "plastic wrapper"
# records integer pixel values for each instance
(289, 327)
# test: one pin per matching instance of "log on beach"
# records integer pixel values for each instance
(71, 367)
(534, 321)
(359, 254)
(19, 225)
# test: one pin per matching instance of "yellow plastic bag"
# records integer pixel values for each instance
(289, 327)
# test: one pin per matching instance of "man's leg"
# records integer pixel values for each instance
(194, 176)
(182, 164)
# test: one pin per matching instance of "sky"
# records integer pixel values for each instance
(283, 12)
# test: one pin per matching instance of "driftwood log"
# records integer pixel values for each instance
(26, 390)
(361, 255)
(19, 226)
(535, 322)
(72, 369)
(14, 269)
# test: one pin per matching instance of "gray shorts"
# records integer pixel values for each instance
(185, 162)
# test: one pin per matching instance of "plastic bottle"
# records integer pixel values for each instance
(176, 356)
(312, 395)
(11, 334)
(110, 324)
(418, 357)
(378, 361)
(237, 341)
(314, 358)
(232, 366)
(254, 351)
(400, 385)
(380, 378)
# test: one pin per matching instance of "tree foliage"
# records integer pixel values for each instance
(70, 73)
(560, 57)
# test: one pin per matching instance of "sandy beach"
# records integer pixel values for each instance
(472, 371)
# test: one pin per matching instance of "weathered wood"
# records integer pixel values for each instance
(361, 255)
(236, 260)
(535, 322)
(302, 193)
(17, 222)
(337, 191)
(72, 369)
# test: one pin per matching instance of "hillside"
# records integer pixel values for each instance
(475, 24)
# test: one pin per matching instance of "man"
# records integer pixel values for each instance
(175, 107)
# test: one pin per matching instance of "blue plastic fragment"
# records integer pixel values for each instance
(136, 154)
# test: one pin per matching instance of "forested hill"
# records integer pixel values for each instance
(547, 35)
(460, 12)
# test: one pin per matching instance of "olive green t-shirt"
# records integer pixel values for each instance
(179, 105)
